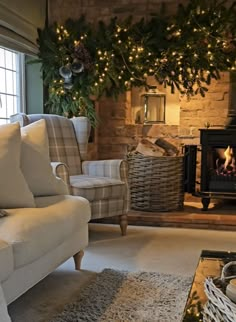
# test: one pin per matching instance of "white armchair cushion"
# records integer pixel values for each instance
(35, 161)
(14, 191)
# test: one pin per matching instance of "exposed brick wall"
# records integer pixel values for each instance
(117, 130)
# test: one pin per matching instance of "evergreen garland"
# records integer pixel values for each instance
(184, 51)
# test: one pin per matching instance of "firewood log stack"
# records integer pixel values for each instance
(161, 147)
(169, 148)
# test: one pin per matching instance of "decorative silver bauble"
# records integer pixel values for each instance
(65, 71)
(77, 66)
(68, 83)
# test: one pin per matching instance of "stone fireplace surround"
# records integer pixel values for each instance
(120, 132)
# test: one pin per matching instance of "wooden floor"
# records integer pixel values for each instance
(221, 215)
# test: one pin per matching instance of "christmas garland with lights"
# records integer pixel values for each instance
(184, 51)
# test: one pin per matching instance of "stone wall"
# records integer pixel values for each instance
(117, 131)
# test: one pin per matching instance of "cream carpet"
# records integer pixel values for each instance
(150, 249)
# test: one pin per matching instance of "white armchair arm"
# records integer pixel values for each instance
(116, 169)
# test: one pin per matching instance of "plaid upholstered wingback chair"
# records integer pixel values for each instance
(103, 182)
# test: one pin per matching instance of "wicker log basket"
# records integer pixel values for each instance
(156, 183)
(219, 308)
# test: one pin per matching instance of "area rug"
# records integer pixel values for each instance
(120, 296)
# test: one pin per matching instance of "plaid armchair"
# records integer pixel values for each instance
(104, 182)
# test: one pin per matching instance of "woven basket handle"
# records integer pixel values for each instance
(224, 270)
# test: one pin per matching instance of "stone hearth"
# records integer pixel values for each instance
(220, 216)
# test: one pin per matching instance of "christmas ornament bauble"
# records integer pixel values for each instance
(77, 66)
(65, 71)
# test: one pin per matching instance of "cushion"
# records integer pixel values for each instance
(35, 162)
(97, 188)
(34, 232)
(14, 191)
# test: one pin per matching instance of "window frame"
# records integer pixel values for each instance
(20, 84)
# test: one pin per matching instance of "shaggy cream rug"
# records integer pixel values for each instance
(120, 296)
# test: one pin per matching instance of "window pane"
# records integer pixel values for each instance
(8, 59)
(2, 59)
(9, 82)
(16, 102)
(14, 60)
(3, 106)
(2, 80)
(14, 83)
(3, 121)
(10, 106)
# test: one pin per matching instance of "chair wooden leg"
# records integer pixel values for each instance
(77, 259)
(123, 224)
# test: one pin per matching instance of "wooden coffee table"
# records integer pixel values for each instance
(210, 263)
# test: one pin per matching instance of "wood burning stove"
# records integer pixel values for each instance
(218, 155)
(218, 165)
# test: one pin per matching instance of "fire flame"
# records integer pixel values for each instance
(226, 164)
(228, 157)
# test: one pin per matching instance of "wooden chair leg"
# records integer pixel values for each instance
(77, 259)
(123, 224)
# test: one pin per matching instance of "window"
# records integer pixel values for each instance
(11, 83)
